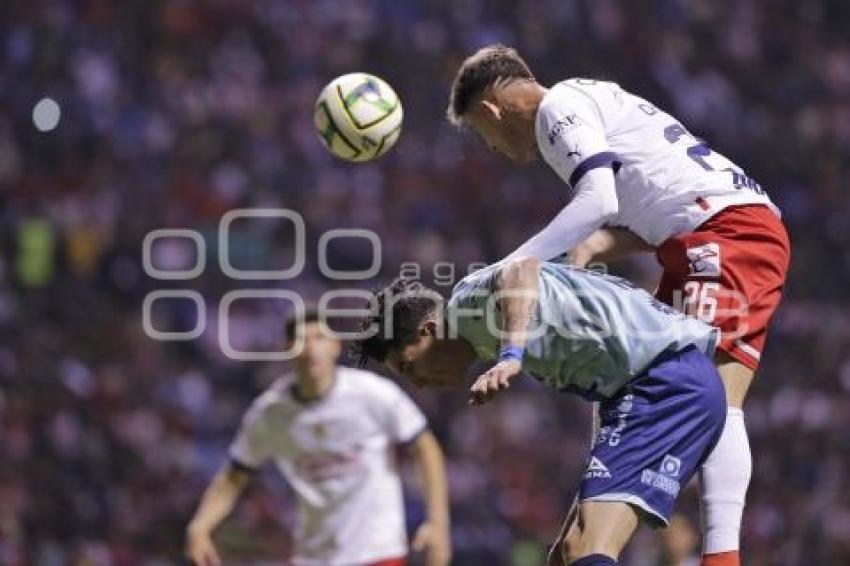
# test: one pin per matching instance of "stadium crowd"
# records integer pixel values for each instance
(176, 111)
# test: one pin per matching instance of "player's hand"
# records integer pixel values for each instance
(496, 379)
(200, 549)
(435, 540)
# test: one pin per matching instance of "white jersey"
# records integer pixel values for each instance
(666, 181)
(337, 453)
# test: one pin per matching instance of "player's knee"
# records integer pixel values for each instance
(729, 466)
(580, 543)
(736, 378)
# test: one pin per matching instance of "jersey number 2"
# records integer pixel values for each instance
(698, 152)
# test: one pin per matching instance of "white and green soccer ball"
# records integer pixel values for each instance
(358, 116)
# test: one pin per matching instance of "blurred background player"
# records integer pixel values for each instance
(662, 405)
(332, 432)
(718, 236)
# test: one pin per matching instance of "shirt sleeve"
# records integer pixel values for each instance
(250, 448)
(473, 291)
(404, 420)
(571, 139)
(571, 135)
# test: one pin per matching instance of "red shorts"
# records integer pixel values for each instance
(390, 562)
(729, 272)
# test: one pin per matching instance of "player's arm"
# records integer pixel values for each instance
(573, 143)
(218, 501)
(608, 244)
(594, 204)
(518, 296)
(434, 536)
(247, 453)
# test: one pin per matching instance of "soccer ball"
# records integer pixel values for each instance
(358, 117)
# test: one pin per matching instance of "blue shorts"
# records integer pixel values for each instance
(655, 433)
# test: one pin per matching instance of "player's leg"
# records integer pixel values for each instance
(755, 252)
(725, 475)
(556, 550)
(652, 439)
(731, 272)
(555, 556)
(599, 532)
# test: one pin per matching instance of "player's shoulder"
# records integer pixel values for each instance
(578, 278)
(276, 393)
(568, 105)
(577, 89)
(274, 396)
(559, 97)
(484, 272)
(594, 276)
(577, 95)
(360, 382)
(477, 282)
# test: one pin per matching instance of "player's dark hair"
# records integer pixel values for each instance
(397, 312)
(479, 71)
(291, 323)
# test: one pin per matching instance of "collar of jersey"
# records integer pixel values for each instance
(293, 392)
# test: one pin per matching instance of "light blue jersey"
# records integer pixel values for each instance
(591, 333)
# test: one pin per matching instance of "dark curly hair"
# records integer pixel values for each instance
(396, 314)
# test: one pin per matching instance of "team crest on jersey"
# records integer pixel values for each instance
(704, 260)
(596, 469)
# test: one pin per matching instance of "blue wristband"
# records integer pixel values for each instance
(509, 352)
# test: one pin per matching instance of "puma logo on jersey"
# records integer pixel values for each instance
(704, 261)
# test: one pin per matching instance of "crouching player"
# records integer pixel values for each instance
(662, 401)
(332, 432)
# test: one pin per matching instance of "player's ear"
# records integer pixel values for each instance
(429, 329)
(490, 109)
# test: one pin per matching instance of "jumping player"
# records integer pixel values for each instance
(332, 432)
(662, 401)
(640, 181)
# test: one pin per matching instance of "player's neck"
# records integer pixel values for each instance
(526, 98)
(535, 95)
(309, 387)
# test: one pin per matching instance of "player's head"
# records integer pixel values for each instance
(321, 348)
(405, 333)
(495, 93)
